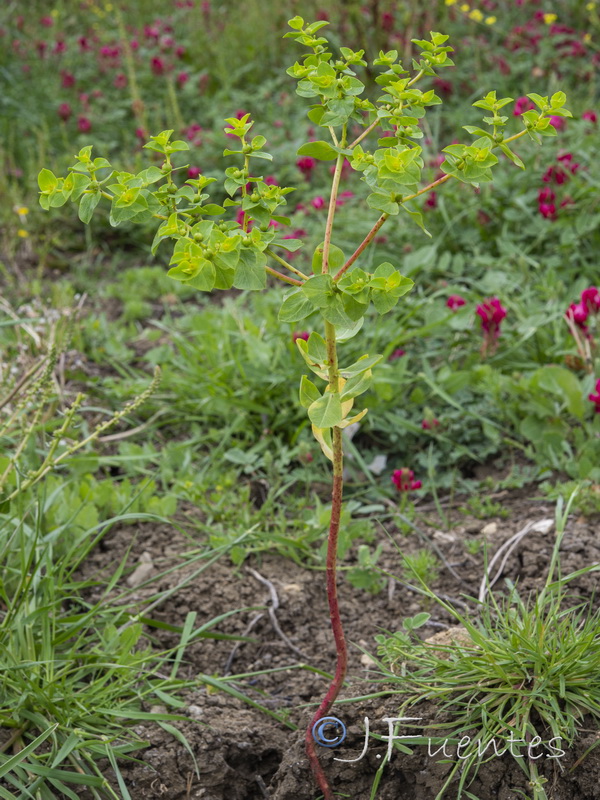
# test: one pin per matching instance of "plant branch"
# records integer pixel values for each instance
(283, 277)
(331, 573)
(285, 264)
(332, 204)
(361, 247)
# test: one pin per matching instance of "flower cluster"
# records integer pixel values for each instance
(455, 301)
(404, 481)
(491, 312)
(595, 397)
(579, 313)
(556, 175)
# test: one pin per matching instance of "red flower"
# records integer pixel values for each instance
(578, 312)
(522, 104)
(318, 202)
(590, 299)
(67, 79)
(120, 81)
(455, 301)
(183, 78)
(193, 172)
(430, 424)
(398, 353)
(491, 312)
(157, 65)
(306, 164)
(591, 116)
(558, 122)
(84, 124)
(64, 111)
(300, 335)
(547, 210)
(403, 480)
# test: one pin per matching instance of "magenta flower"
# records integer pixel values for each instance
(183, 78)
(430, 424)
(403, 480)
(455, 301)
(193, 172)
(300, 335)
(318, 202)
(578, 312)
(120, 81)
(84, 124)
(591, 116)
(67, 79)
(547, 210)
(306, 164)
(431, 201)
(398, 353)
(595, 397)
(491, 312)
(47, 21)
(157, 65)
(64, 111)
(590, 299)
(522, 104)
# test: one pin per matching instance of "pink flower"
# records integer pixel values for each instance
(84, 124)
(403, 480)
(318, 202)
(387, 21)
(120, 81)
(547, 210)
(558, 122)
(491, 312)
(84, 44)
(522, 104)
(193, 172)
(590, 299)
(47, 21)
(157, 65)
(591, 116)
(567, 161)
(546, 195)
(60, 47)
(183, 78)
(455, 301)
(579, 313)
(343, 197)
(64, 111)
(67, 79)
(398, 353)
(595, 397)
(430, 424)
(300, 335)
(555, 174)
(306, 164)
(431, 201)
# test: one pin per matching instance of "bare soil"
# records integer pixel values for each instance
(243, 754)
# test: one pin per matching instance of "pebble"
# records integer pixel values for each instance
(490, 529)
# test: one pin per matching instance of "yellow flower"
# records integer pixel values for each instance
(550, 18)
(54, 13)
(108, 7)
(587, 37)
(465, 7)
(476, 15)
(490, 20)
(22, 233)
(589, 7)
(450, 2)
(22, 211)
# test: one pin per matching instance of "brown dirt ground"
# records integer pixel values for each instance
(243, 754)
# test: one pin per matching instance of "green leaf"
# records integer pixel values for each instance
(318, 290)
(297, 23)
(295, 307)
(326, 411)
(513, 156)
(87, 205)
(337, 259)
(363, 364)
(383, 202)
(309, 393)
(47, 181)
(250, 272)
(322, 151)
(356, 385)
(317, 348)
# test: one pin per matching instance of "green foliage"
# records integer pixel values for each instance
(522, 670)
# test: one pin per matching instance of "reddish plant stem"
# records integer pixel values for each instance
(331, 570)
(334, 612)
(283, 277)
(361, 247)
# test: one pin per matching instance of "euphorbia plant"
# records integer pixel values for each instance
(244, 247)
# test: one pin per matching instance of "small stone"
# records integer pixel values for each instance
(543, 526)
(142, 572)
(443, 536)
(367, 661)
(490, 529)
(195, 712)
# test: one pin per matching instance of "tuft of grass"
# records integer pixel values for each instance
(526, 671)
